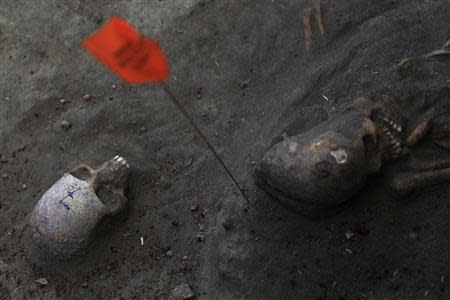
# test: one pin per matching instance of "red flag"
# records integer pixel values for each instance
(132, 57)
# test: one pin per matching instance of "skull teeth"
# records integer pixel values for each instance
(121, 160)
(394, 125)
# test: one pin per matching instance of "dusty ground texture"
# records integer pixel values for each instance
(241, 70)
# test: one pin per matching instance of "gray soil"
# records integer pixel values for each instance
(242, 71)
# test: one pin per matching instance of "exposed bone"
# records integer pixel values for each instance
(369, 127)
(442, 51)
(418, 133)
(308, 30)
(405, 183)
(340, 155)
(318, 15)
(64, 220)
(446, 44)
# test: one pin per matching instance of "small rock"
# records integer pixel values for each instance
(142, 130)
(187, 163)
(185, 257)
(349, 234)
(194, 206)
(181, 292)
(87, 97)
(284, 136)
(63, 101)
(24, 186)
(42, 281)
(113, 86)
(84, 284)
(169, 253)
(65, 125)
(244, 84)
(4, 176)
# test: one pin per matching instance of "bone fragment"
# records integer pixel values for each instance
(418, 133)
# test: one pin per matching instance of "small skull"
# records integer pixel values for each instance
(65, 218)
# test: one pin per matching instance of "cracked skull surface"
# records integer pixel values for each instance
(65, 219)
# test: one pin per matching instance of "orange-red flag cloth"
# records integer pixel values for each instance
(132, 57)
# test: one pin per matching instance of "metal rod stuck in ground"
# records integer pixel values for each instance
(199, 132)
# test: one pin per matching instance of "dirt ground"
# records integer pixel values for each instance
(242, 71)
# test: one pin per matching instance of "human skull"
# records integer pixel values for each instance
(65, 218)
(323, 167)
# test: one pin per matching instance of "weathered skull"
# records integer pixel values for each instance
(326, 165)
(65, 218)
(406, 122)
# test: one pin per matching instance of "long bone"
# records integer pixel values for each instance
(406, 182)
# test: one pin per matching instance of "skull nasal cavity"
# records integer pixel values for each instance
(370, 145)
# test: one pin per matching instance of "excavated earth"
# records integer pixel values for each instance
(241, 70)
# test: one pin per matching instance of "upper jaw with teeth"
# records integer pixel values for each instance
(121, 160)
(393, 131)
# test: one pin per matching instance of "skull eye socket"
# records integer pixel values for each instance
(81, 173)
(106, 195)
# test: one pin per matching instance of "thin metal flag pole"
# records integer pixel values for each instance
(205, 140)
